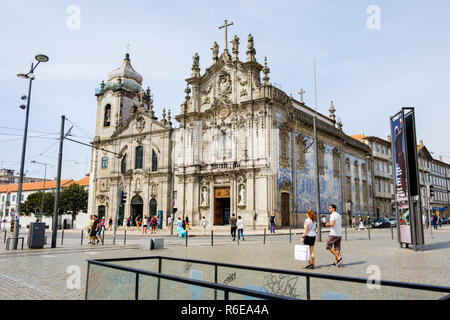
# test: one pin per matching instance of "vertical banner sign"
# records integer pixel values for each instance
(399, 157)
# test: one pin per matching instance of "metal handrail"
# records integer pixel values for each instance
(391, 283)
(225, 288)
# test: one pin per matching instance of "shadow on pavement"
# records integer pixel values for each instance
(436, 246)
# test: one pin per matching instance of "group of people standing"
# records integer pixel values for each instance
(182, 226)
(333, 243)
(358, 224)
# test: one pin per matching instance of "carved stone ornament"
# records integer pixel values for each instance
(139, 139)
(140, 123)
(224, 85)
(224, 112)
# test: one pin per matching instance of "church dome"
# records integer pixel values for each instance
(126, 71)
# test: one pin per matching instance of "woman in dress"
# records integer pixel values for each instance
(309, 236)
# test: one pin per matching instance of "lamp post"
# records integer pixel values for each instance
(30, 75)
(43, 188)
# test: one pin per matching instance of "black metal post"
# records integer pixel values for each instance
(58, 184)
(264, 241)
(345, 228)
(4, 240)
(125, 237)
(368, 227)
(103, 238)
(81, 237)
(308, 288)
(158, 292)
(22, 164)
(187, 238)
(212, 238)
(62, 237)
(215, 281)
(136, 292)
(290, 235)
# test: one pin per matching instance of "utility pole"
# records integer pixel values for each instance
(58, 184)
(316, 151)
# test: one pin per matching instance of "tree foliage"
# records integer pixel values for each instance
(73, 199)
(34, 201)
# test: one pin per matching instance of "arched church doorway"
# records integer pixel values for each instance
(153, 207)
(284, 209)
(221, 206)
(101, 212)
(137, 208)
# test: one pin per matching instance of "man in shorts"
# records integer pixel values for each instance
(334, 239)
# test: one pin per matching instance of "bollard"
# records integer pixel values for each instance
(82, 237)
(290, 235)
(264, 242)
(212, 238)
(392, 232)
(62, 237)
(103, 238)
(4, 240)
(345, 233)
(368, 228)
(186, 238)
(238, 237)
(125, 238)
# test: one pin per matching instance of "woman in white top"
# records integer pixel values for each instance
(309, 236)
(204, 223)
(240, 227)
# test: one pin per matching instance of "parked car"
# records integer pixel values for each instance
(446, 220)
(393, 222)
(381, 223)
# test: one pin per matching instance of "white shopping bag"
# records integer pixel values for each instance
(301, 253)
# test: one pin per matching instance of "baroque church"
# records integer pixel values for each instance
(242, 146)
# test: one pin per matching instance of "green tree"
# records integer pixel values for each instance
(34, 201)
(72, 200)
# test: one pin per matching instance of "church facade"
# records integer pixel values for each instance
(242, 147)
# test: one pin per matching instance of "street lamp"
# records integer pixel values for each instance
(30, 75)
(43, 188)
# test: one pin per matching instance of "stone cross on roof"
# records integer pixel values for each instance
(301, 92)
(226, 34)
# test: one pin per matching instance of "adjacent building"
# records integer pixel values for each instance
(7, 177)
(383, 179)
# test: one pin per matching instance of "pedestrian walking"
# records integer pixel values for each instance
(439, 220)
(169, 222)
(361, 224)
(89, 228)
(354, 222)
(309, 236)
(203, 224)
(138, 222)
(144, 230)
(434, 221)
(110, 224)
(335, 236)
(323, 221)
(94, 231)
(128, 223)
(180, 229)
(240, 228)
(154, 223)
(102, 224)
(187, 223)
(233, 225)
(424, 220)
(272, 223)
(99, 231)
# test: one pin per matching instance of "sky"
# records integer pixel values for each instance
(371, 63)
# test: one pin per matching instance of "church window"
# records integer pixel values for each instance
(336, 154)
(284, 149)
(104, 162)
(321, 150)
(139, 157)
(123, 164)
(301, 146)
(154, 161)
(107, 117)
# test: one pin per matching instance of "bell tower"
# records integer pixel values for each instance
(117, 97)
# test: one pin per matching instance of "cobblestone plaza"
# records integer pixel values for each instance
(43, 274)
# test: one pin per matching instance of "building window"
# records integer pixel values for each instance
(284, 149)
(321, 149)
(104, 162)
(301, 146)
(139, 157)
(107, 116)
(154, 161)
(336, 157)
(13, 198)
(123, 164)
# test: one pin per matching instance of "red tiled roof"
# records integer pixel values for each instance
(84, 181)
(34, 185)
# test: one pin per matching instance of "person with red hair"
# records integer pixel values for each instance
(309, 236)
